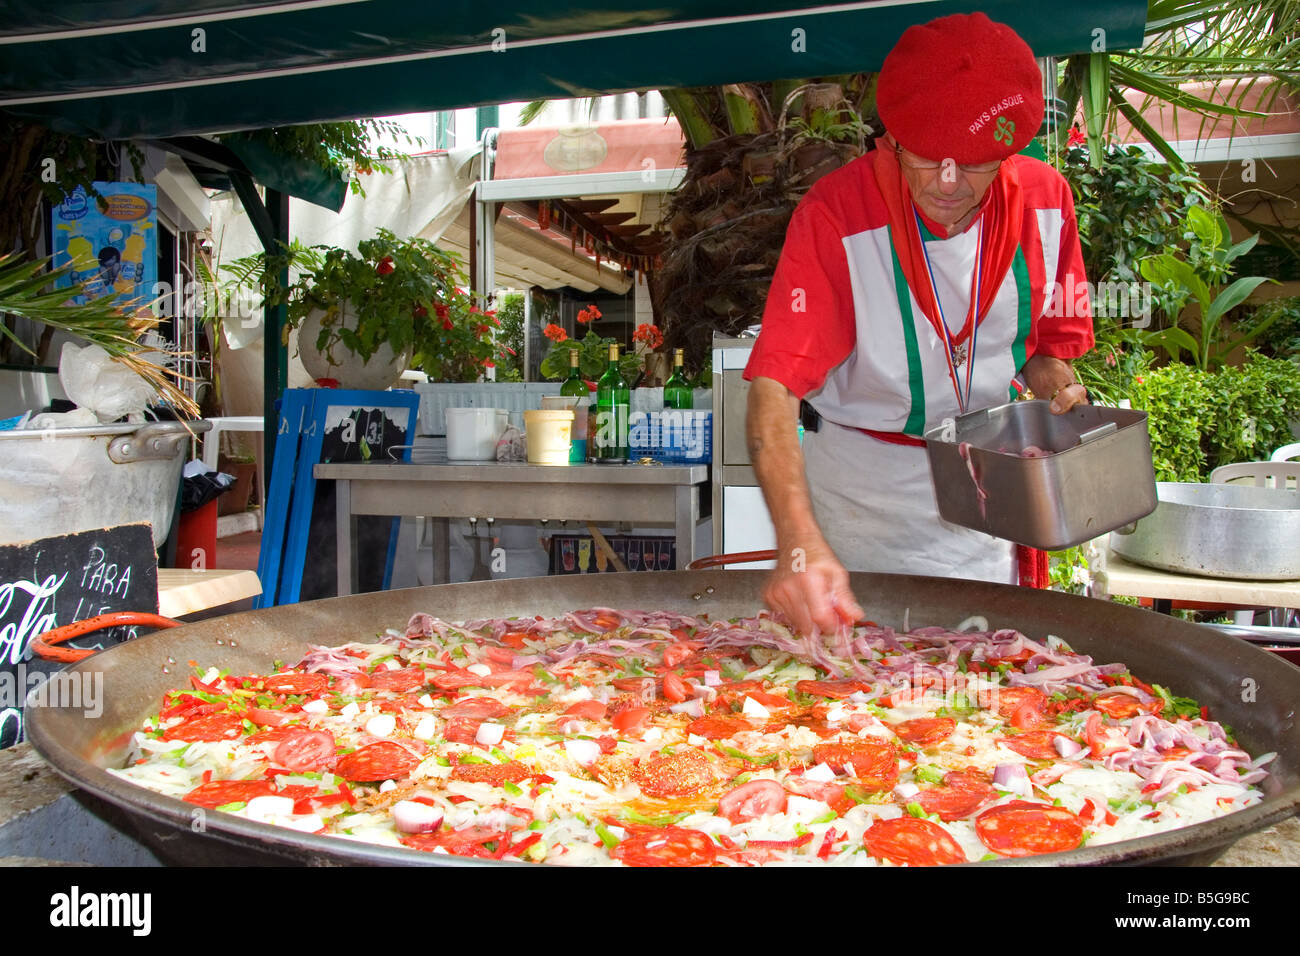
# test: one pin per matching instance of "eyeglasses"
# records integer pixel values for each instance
(926, 165)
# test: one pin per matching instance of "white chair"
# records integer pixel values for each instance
(1278, 473)
(1286, 452)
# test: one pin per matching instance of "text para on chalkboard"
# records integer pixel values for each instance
(52, 582)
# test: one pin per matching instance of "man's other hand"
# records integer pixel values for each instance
(1053, 379)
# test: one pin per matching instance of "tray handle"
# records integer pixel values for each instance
(43, 644)
(1101, 431)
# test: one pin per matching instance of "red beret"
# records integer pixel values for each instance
(961, 87)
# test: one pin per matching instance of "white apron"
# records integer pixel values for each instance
(875, 504)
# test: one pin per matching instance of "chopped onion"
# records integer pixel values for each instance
(1011, 776)
(387, 785)
(412, 817)
(822, 773)
(835, 713)
(350, 711)
(381, 725)
(210, 675)
(712, 678)
(653, 734)
(906, 791)
(489, 734)
(482, 670)
(307, 824)
(581, 751)
(976, 621)
(315, 707)
(694, 708)
(1065, 746)
(753, 708)
(263, 807)
(425, 700)
(426, 729)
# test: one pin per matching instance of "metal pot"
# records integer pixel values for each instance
(63, 480)
(1190, 659)
(1218, 531)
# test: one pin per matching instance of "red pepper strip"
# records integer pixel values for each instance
(503, 847)
(207, 776)
(303, 807)
(825, 851)
(329, 799)
(207, 688)
(779, 844)
(727, 842)
(427, 801)
(347, 793)
(1205, 713)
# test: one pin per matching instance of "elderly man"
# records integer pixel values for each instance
(915, 284)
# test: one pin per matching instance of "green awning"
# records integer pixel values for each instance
(171, 67)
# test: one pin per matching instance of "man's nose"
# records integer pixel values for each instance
(950, 180)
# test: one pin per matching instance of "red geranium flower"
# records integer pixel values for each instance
(447, 326)
(488, 363)
(589, 314)
(648, 334)
(555, 333)
(385, 266)
(442, 311)
(1077, 137)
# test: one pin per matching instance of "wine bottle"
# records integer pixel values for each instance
(574, 386)
(677, 394)
(608, 443)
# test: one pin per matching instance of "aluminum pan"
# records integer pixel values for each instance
(1194, 661)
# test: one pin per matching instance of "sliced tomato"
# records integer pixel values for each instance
(733, 694)
(676, 689)
(269, 718)
(220, 792)
(719, 728)
(835, 689)
(401, 681)
(467, 842)
(1021, 828)
(1104, 740)
(209, 727)
(501, 655)
(1117, 704)
(960, 795)
(506, 678)
(912, 841)
(670, 846)
(926, 731)
(480, 708)
(632, 720)
(752, 800)
(515, 639)
(874, 764)
(677, 654)
(382, 761)
(294, 683)
(1036, 744)
(1024, 707)
(493, 773)
(587, 710)
(639, 685)
(455, 679)
(306, 750)
(682, 773)
(831, 794)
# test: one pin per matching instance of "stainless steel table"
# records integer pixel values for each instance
(646, 494)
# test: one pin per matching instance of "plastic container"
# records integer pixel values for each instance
(472, 433)
(578, 433)
(548, 432)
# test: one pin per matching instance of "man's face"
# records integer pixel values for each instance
(945, 192)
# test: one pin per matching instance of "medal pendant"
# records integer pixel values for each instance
(959, 356)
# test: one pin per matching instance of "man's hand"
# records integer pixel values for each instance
(1053, 379)
(811, 588)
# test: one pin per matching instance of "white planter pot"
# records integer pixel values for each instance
(342, 364)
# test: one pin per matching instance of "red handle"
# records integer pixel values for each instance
(741, 557)
(43, 644)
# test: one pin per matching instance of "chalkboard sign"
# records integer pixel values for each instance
(55, 581)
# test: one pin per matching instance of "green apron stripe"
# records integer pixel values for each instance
(915, 424)
(1020, 269)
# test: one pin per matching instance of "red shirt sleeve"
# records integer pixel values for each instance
(808, 321)
(1065, 329)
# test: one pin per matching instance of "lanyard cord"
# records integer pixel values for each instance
(950, 349)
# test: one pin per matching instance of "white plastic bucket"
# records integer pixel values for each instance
(548, 432)
(472, 433)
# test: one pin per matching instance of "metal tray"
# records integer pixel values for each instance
(1218, 531)
(1096, 474)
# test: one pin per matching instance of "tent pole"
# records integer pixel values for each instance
(275, 367)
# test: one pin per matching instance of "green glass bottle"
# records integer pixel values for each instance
(607, 443)
(575, 387)
(677, 394)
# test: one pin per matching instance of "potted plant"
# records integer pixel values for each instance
(364, 317)
(592, 349)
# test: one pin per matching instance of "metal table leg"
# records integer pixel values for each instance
(687, 501)
(345, 529)
(441, 550)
